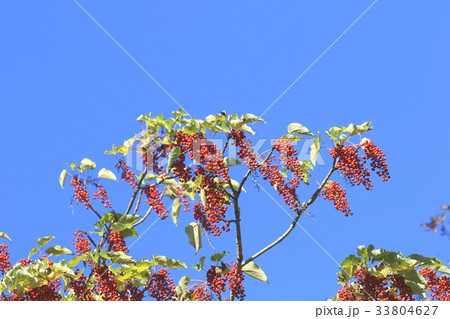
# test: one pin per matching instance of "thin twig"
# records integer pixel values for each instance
(130, 204)
(136, 208)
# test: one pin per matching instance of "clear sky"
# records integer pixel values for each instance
(67, 91)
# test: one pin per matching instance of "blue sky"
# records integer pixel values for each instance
(67, 92)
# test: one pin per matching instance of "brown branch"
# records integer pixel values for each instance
(300, 211)
(130, 204)
(136, 208)
(144, 217)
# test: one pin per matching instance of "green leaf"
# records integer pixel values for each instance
(72, 165)
(174, 153)
(62, 178)
(203, 197)
(86, 163)
(313, 153)
(236, 124)
(291, 138)
(117, 257)
(334, 132)
(365, 253)
(75, 261)
(176, 207)
(33, 251)
(44, 240)
(296, 128)
(106, 173)
(247, 118)
(163, 261)
(194, 234)
(218, 257)
(129, 232)
(182, 285)
(231, 161)
(122, 149)
(124, 222)
(253, 270)
(58, 251)
(199, 265)
(349, 265)
(248, 129)
(197, 183)
(4, 235)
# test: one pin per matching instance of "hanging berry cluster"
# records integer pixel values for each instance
(201, 293)
(332, 191)
(102, 196)
(81, 244)
(215, 282)
(106, 284)
(161, 287)
(376, 288)
(116, 242)
(377, 159)
(79, 288)
(5, 264)
(127, 175)
(81, 193)
(48, 292)
(288, 157)
(211, 166)
(439, 286)
(351, 165)
(235, 280)
(154, 200)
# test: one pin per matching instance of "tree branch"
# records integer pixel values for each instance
(300, 211)
(130, 204)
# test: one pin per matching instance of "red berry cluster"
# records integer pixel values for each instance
(5, 264)
(127, 174)
(272, 173)
(161, 287)
(106, 284)
(132, 293)
(26, 262)
(235, 280)
(398, 285)
(103, 196)
(116, 242)
(81, 193)
(182, 197)
(216, 282)
(154, 200)
(81, 244)
(288, 157)
(439, 286)
(348, 294)
(48, 292)
(372, 287)
(332, 191)
(79, 287)
(213, 212)
(377, 158)
(180, 170)
(351, 165)
(211, 157)
(375, 288)
(201, 293)
(245, 152)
